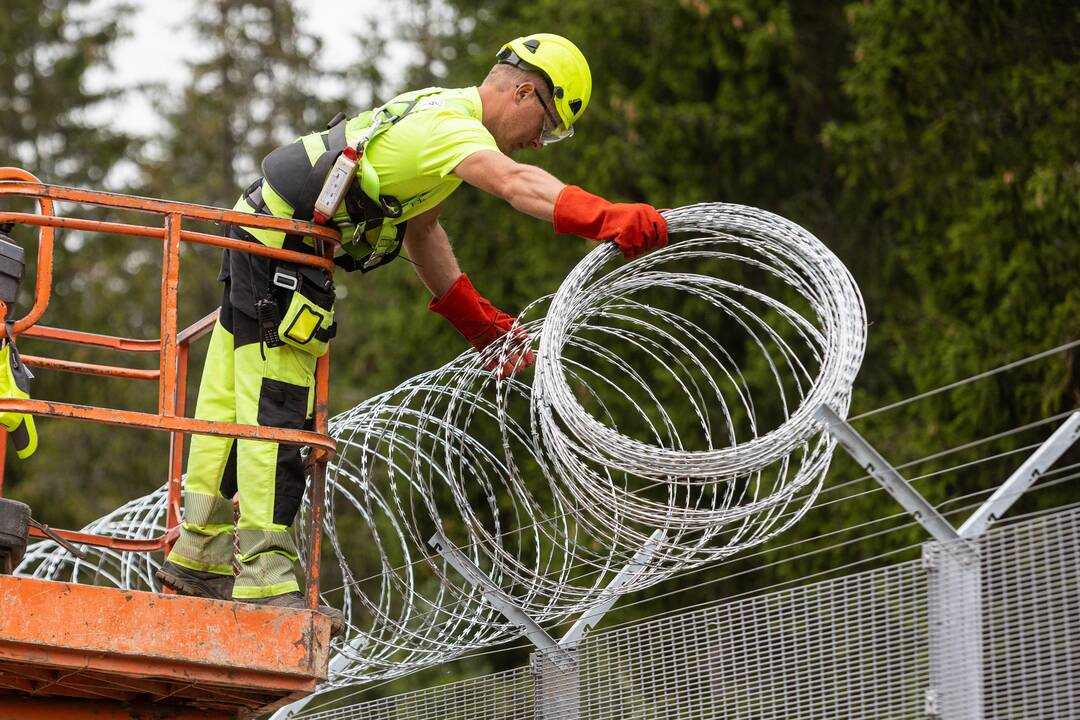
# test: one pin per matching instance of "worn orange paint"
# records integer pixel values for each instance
(90, 368)
(131, 418)
(318, 484)
(43, 284)
(170, 289)
(67, 639)
(120, 544)
(16, 182)
(92, 339)
(216, 638)
(26, 185)
(150, 232)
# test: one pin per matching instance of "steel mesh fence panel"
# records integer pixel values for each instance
(852, 647)
(501, 696)
(912, 640)
(1031, 619)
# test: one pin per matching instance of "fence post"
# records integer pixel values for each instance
(954, 624)
(955, 590)
(556, 686)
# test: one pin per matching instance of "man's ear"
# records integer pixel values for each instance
(523, 91)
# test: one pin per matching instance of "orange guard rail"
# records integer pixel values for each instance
(172, 347)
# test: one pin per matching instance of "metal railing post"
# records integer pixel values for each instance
(556, 689)
(955, 618)
(170, 289)
(318, 479)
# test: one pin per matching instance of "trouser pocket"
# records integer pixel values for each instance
(307, 322)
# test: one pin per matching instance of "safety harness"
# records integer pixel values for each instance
(298, 179)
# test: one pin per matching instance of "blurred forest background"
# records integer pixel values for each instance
(933, 146)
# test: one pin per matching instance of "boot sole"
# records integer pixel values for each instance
(189, 587)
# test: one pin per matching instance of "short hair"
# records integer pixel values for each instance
(504, 75)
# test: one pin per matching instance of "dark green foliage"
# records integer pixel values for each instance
(53, 125)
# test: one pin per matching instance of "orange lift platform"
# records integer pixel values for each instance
(80, 651)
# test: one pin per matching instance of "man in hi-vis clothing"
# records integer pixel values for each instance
(276, 319)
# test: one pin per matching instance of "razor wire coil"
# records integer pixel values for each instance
(674, 392)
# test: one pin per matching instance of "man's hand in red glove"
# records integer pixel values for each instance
(635, 227)
(481, 324)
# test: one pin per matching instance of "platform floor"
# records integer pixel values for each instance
(93, 652)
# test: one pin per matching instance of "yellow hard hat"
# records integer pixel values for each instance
(565, 69)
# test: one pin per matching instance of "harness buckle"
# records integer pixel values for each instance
(287, 280)
(358, 232)
(391, 206)
(390, 117)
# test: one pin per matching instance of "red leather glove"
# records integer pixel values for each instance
(635, 227)
(481, 324)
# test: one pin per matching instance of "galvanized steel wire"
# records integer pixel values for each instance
(674, 393)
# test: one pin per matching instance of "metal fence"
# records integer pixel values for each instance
(1031, 620)
(503, 696)
(920, 639)
(812, 651)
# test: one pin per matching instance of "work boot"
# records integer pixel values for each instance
(298, 601)
(196, 583)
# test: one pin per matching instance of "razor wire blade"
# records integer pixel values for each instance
(674, 392)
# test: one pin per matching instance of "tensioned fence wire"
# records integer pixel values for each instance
(1047, 482)
(963, 506)
(673, 393)
(1049, 479)
(856, 646)
(941, 453)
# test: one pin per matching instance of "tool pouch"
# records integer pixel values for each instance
(307, 322)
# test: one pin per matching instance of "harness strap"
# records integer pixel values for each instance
(364, 264)
(335, 139)
(302, 189)
(309, 193)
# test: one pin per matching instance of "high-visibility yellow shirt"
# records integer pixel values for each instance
(414, 159)
(417, 155)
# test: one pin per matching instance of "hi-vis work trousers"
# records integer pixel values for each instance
(246, 382)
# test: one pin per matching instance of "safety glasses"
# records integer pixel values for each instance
(553, 131)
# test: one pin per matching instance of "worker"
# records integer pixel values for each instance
(276, 319)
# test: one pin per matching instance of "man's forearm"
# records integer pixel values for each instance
(533, 191)
(433, 259)
(527, 188)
